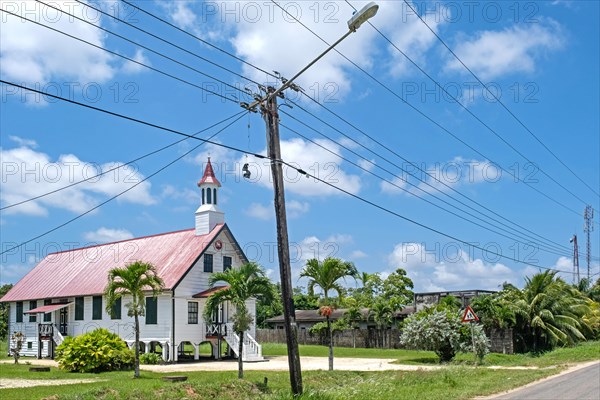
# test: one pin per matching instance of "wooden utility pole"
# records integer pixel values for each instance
(271, 115)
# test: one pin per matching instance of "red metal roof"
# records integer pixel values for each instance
(84, 271)
(208, 292)
(209, 175)
(48, 308)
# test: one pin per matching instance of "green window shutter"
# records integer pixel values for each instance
(226, 263)
(19, 311)
(151, 311)
(47, 316)
(79, 304)
(32, 305)
(97, 307)
(116, 310)
(208, 263)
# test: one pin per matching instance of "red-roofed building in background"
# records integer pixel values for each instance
(63, 294)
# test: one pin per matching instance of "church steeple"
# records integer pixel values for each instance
(208, 215)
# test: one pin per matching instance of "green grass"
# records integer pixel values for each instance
(3, 349)
(451, 383)
(583, 352)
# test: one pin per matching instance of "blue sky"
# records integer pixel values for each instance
(541, 59)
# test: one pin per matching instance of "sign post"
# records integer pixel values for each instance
(470, 317)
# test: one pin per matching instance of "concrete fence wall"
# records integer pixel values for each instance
(501, 340)
(363, 338)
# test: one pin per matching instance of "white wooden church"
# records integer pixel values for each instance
(63, 294)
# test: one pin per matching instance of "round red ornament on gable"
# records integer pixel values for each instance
(218, 245)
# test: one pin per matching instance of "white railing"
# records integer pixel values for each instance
(252, 351)
(57, 336)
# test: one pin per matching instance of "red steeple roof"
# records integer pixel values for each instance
(209, 175)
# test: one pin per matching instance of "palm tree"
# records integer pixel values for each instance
(553, 311)
(244, 283)
(326, 275)
(383, 315)
(353, 315)
(133, 280)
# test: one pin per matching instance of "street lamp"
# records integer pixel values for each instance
(360, 17)
(270, 114)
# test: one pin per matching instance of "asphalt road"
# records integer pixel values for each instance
(582, 384)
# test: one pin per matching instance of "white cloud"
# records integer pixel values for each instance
(27, 173)
(133, 68)
(24, 142)
(367, 164)
(491, 54)
(432, 179)
(262, 32)
(32, 53)
(294, 209)
(358, 254)
(313, 247)
(260, 211)
(315, 161)
(188, 195)
(448, 266)
(181, 14)
(11, 273)
(413, 38)
(105, 235)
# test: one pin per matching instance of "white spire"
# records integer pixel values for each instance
(208, 214)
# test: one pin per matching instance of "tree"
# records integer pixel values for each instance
(494, 311)
(354, 316)
(133, 280)
(397, 289)
(326, 275)
(383, 315)
(551, 312)
(16, 340)
(244, 283)
(372, 286)
(266, 309)
(441, 331)
(4, 311)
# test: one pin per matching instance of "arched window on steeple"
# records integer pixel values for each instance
(208, 196)
(214, 196)
(202, 196)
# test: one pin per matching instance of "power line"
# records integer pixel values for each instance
(150, 49)
(426, 116)
(469, 110)
(316, 117)
(199, 38)
(120, 165)
(419, 168)
(540, 246)
(299, 170)
(132, 119)
(412, 221)
(121, 193)
(156, 52)
(496, 98)
(158, 38)
(121, 56)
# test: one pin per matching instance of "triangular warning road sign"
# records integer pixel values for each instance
(469, 315)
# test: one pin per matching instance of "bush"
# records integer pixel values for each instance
(442, 332)
(95, 351)
(150, 359)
